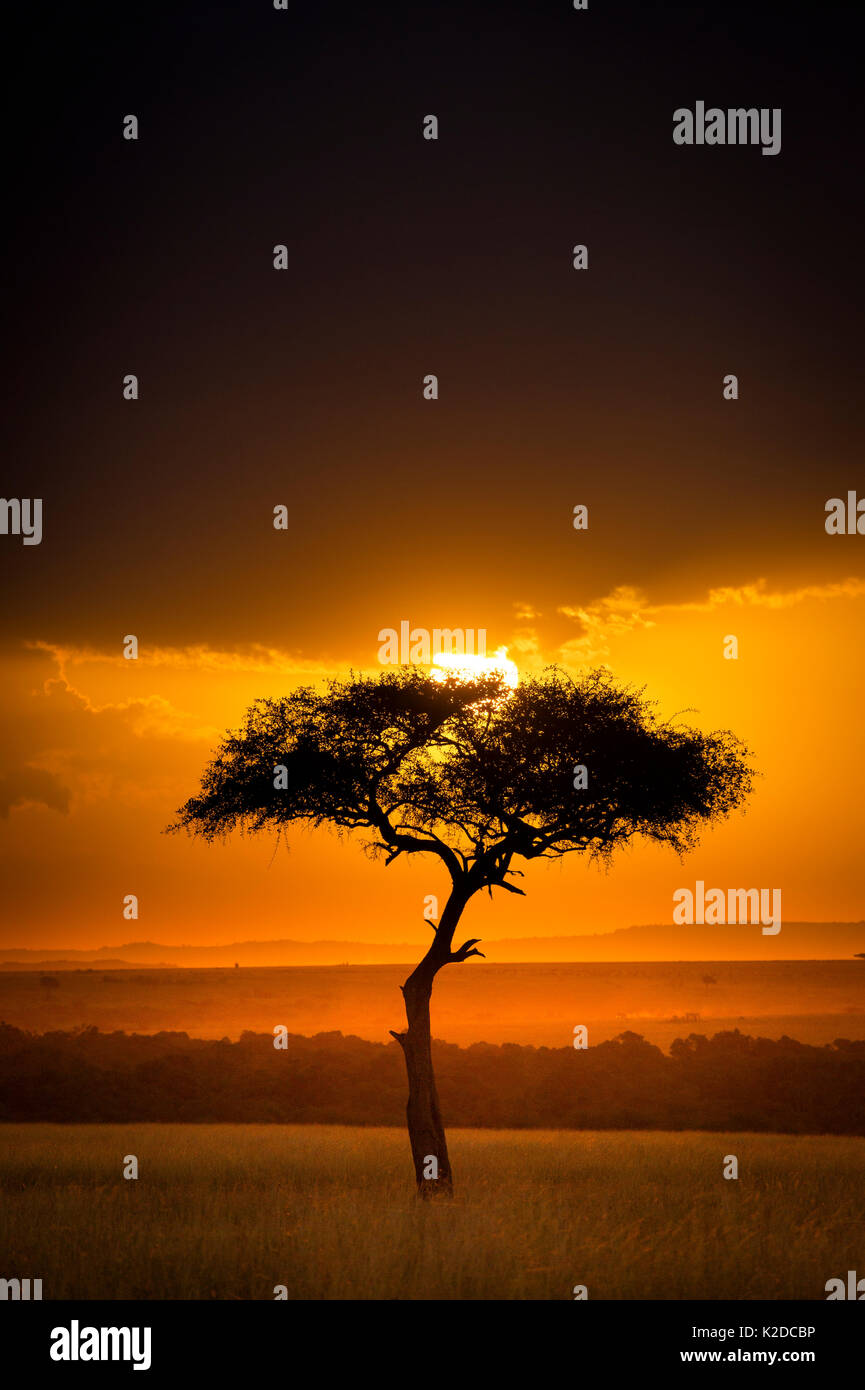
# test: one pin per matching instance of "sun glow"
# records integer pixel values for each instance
(467, 667)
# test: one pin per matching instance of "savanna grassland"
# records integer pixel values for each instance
(812, 1001)
(230, 1212)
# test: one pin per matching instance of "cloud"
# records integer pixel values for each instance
(144, 716)
(627, 609)
(60, 748)
(525, 613)
(252, 658)
(73, 732)
(604, 620)
(756, 596)
(22, 784)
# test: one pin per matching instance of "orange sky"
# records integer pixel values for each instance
(105, 749)
(303, 387)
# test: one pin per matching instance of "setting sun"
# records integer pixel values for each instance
(468, 667)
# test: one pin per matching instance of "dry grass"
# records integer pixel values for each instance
(228, 1212)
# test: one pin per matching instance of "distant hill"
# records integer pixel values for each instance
(795, 941)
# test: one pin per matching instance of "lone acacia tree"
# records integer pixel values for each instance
(477, 775)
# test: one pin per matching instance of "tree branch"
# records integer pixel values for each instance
(466, 950)
(509, 888)
(400, 843)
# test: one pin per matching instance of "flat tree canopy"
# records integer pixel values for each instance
(473, 772)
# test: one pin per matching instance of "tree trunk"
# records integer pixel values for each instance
(425, 1129)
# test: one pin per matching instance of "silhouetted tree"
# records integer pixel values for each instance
(478, 776)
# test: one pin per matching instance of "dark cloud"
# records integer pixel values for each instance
(34, 784)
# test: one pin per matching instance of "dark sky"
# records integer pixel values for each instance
(407, 257)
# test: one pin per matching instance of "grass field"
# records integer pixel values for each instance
(229, 1212)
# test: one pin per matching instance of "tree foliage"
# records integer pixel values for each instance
(472, 772)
